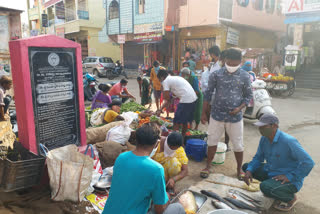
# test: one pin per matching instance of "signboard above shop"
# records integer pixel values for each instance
(302, 6)
(147, 28)
(232, 36)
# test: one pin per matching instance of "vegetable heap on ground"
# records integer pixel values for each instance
(131, 106)
(194, 132)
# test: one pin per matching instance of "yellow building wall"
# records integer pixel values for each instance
(107, 49)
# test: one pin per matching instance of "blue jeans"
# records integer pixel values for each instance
(118, 97)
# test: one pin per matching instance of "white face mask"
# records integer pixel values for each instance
(153, 151)
(231, 69)
(167, 151)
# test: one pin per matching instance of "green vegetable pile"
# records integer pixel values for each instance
(131, 106)
(196, 132)
(154, 118)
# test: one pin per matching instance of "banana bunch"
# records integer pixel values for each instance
(280, 77)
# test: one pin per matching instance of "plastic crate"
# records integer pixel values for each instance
(27, 172)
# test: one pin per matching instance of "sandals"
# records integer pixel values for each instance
(283, 206)
(204, 173)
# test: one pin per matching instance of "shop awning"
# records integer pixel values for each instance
(302, 18)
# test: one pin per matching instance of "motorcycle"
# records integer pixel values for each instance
(261, 101)
(118, 70)
(89, 86)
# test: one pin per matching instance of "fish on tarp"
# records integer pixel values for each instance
(220, 205)
(188, 201)
(217, 197)
(242, 205)
(235, 196)
(246, 197)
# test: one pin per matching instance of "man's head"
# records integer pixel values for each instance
(6, 82)
(268, 125)
(233, 60)
(139, 80)
(185, 64)
(156, 64)
(185, 73)
(162, 75)
(115, 105)
(214, 53)
(147, 136)
(123, 82)
(175, 140)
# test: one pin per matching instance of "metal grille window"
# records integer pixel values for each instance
(270, 6)
(225, 9)
(141, 6)
(114, 10)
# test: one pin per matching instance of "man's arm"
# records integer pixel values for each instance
(166, 102)
(305, 162)
(247, 95)
(257, 159)
(247, 91)
(2, 113)
(128, 93)
(159, 195)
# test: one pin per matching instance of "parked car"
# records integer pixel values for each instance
(99, 66)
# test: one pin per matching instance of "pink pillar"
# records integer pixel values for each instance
(48, 88)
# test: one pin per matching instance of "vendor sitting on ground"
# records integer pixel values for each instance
(137, 179)
(112, 114)
(171, 155)
(101, 99)
(287, 164)
(119, 90)
(5, 84)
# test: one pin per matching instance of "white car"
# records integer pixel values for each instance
(99, 66)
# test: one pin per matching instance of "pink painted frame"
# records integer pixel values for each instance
(22, 85)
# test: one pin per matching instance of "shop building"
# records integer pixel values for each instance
(82, 21)
(139, 28)
(303, 24)
(228, 23)
(10, 29)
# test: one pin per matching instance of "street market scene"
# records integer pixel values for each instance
(159, 106)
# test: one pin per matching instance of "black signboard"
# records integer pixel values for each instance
(55, 96)
(44, 18)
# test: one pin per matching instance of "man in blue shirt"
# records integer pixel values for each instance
(287, 164)
(231, 87)
(137, 179)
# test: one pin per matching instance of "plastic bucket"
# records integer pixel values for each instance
(220, 155)
(196, 149)
(224, 211)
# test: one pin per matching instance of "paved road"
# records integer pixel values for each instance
(299, 116)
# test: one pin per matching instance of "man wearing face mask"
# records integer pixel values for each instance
(155, 82)
(231, 87)
(120, 90)
(287, 164)
(137, 179)
(171, 155)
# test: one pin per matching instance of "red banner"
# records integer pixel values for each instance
(148, 37)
